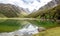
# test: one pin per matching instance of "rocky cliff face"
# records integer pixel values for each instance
(51, 4)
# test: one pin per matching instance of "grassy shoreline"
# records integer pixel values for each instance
(49, 32)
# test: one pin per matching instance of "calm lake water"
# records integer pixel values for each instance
(20, 27)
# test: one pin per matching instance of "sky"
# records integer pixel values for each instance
(30, 4)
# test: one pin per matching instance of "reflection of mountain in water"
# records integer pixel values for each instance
(30, 28)
(27, 30)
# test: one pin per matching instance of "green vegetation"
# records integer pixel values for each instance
(11, 11)
(51, 13)
(8, 10)
(53, 26)
(9, 25)
(50, 32)
(46, 24)
(48, 20)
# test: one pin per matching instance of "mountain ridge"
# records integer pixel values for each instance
(51, 5)
(10, 10)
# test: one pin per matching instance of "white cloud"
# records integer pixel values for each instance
(35, 5)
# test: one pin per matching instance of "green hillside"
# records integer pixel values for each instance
(47, 13)
(10, 11)
(50, 32)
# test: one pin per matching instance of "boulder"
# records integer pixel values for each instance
(41, 29)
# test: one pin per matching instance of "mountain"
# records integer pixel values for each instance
(51, 4)
(52, 13)
(46, 11)
(30, 4)
(9, 10)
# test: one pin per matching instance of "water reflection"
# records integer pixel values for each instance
(14, 27)
(9, 25)
(27, 30)
(17, 27)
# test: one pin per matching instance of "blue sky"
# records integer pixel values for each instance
(30, 4)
